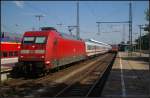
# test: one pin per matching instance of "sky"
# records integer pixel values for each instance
(19, 16)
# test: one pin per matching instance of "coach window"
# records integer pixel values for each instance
(4, 54)
(15, 53)
(11, 53)
(89, 47)
(92, 47)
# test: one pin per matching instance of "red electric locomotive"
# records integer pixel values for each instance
(47, 49)
(9, 52)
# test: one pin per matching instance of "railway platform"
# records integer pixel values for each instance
(129, 77)
(5, 69)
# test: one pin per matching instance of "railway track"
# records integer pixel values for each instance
(83, 81)
(80, 85)
(23, 80)
(84, 85)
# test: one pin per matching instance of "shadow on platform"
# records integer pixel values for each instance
(145, 59)
(136, 84)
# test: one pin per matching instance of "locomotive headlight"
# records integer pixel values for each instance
(40, 51)
(42, 56)
(24, 51)
(47, 62)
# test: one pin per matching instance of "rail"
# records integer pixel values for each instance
(102, 76)
(98, 86)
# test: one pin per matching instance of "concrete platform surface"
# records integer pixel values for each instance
(129, 78)
(6, 67)
(9, 60)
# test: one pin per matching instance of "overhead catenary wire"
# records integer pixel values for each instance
(35, 9)
(44, 12)
(7, 28)
(97, 17)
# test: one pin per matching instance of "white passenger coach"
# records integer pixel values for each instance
(94, 47)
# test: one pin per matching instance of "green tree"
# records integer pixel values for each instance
(147, 13)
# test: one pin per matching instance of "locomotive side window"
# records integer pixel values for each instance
(28, 40)
(40, 40)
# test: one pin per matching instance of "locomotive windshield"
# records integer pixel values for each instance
(40, 40)
(34, 40)
(28, 40)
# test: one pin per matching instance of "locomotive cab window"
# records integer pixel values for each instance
(28, 40)
(40, 40)
(35, 40)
